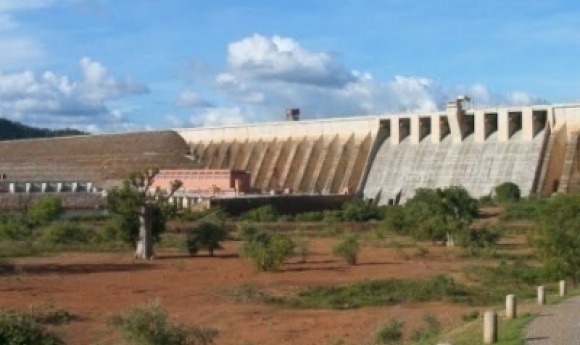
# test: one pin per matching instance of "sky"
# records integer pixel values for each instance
(127, 65)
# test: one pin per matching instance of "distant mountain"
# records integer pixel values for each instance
(10, 130)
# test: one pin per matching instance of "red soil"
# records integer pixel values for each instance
(92, 286)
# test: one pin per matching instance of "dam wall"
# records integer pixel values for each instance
(476, 149)
(305, 157)
(387, 157)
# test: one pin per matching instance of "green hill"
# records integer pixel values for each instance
(10, 130)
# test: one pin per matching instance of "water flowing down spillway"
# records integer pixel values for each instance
(399, 169)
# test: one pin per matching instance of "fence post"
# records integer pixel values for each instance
(489, 327)
(510, 307)
(563, 288)
(541, 295)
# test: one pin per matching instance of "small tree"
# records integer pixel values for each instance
(557, 236)
(452, 207)
(142, 211)
(206, 235)
(45, 210)
(348, 248)
(268, 252)
(507, 192)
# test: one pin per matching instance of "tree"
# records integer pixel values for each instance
(507, 192)
(268, 252)
(45, 210)
(434, 211)
(142, 211)
(206, 235)
(557, 236)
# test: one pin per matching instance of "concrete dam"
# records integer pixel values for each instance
(386, 158)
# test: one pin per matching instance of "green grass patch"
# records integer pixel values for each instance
(509, 333)
(362, 294)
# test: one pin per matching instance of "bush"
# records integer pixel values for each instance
(309, 217)
(261, 214)
(206, 235)
(390, 333)
(14, 229)
(528, 209)
(46, 210)
(247, 232)
(348, 248)
(149, 325)
(396, 221)
(476, 239)
(507, 192)
(357, 210)
(268, 252)
(66, 233)
(431, 328)
(21, 329)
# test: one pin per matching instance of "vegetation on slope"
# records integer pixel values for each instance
(10, 130)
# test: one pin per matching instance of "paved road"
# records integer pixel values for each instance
(556, 325)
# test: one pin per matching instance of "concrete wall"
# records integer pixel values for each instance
(322, 156)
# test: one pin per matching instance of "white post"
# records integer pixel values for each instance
(541, 295)
(489, 327)
(510, 307)
(563, 288)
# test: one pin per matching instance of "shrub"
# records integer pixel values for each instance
(507, 192)
(206, 235)
(390, 333)
(46, 210)
(149, 325)
(268, 252)
(431, 328)
(261, 214)
(396, 220)
(14, 229)
(21, 329)
(348, 248)
(309, 217)
(66, 233)
(247, 232)
(357, 210)
(476, 239)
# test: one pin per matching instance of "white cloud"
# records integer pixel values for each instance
(49, 98)
(265, 75)
(284, 59)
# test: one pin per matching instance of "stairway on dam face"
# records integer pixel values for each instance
(479, 167)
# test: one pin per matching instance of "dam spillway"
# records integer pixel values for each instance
(385, 158)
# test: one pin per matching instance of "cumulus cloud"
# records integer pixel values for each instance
(283, 59)
(265, 75)
(51, 98)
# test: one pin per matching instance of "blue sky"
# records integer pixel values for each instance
(111, 66)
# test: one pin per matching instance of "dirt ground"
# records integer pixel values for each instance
(93, 286)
